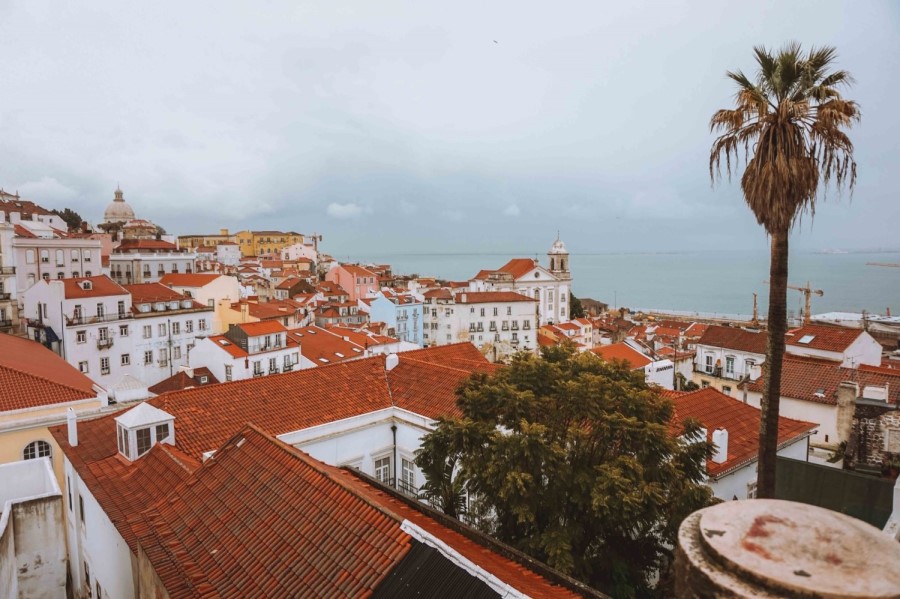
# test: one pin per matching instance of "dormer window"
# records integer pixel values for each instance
(86, 285)
(141, 427)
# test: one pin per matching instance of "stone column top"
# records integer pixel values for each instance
(800, 549)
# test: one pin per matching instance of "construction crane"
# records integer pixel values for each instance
(807, 296)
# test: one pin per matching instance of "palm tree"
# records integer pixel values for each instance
(790, 126)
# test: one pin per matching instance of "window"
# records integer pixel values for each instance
(407, 476)
(227, 372)
(257, 368)
(163, 357)
(126, 359)
(45, 255)
(75, 256)
(162, 329)
(509, 310)
(148, 331)
(143, 441)
(121, 307)
(176, 328)
(726, 389)
(201, 324)
(100, 310)
(104, 365)
(60, 258)
(704, 384)
(87, 255)
(162, 432)
(176, 352)
(383, 470)
(75, 274)
(60, 275)
(77, 313)
(103, 333)
(81, 516)
(36, 449)
(46, 276)
(482, 311)
(148, 357)
(495, 311)
(83, 366)
(69, 488)
(729, 366)
(709, 363)
(751, 490)
(29, 256)
(123, 330)
(80, 336)
(189, 326)
(273, 365)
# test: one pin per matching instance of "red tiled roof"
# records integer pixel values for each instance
(714, 409)
(519, 267)
(188, 280)
(734, 338)
(321, 346)
(33, 376)
(261, 328)
(101, 286)
(824, 337)
(696, 330)
(316, 530)
(21, 231)
(622, 351)
(181, 380)
(442, 293)
(489, 297)
(142, 293)
(145, 244)
(817, 380)
(357, 271)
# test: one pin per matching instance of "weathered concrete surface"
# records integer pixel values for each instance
(773, 548)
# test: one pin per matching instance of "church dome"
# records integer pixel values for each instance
(558, 247)
(118, 210)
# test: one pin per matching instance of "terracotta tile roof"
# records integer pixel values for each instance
(442, 293)
(362, 337)
(489, 297)
(622, 351)
(156, 245)
(236, 351)
(357, 271)
(143, 293)
(101, 286)
(13, 203)
(817, 380)
(289, 525)
(261, 328)
(181, 380)
(188, 280)
(714, 409)
(696, 330)
(33, 376)
(21, 231)
(321, 346)
(734, 338)
(519, 267)
(823, 337)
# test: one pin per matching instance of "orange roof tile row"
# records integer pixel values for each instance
(33, 376)
(188, 280)
(734, 338)
(824, 337)
(99, 286)
(624, 352)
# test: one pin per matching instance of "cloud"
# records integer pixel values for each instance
(452, 215)
(47, 190)
(344, 211)
(512, 210)
(407, 208)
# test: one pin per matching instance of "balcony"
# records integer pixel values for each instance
(5, 296)
(514, 341)
(273, 370)
(5, 324)
(7, 270)
(258, 373)
(404, 487)
(78, 319)
(715, 371)
(288, 368)
(515, 326)
(505, 327)
(104, 343)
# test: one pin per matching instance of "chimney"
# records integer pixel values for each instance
(72, 425)
(462, 297)
(847, 393)
(720, 440)
(390, 362)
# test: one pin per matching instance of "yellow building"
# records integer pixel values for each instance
(196, 241)
(255, 243)
(36, 389)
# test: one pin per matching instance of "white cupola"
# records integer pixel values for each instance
(138, 429)
(559, 258)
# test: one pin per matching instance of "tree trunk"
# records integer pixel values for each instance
(777, 326)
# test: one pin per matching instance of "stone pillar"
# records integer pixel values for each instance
(847, 393)
(773, 548)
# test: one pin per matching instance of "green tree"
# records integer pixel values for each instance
(576, 310)
(574, 460)
(790, 124)
(72, 218)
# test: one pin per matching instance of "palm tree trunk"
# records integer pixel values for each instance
(777, 325)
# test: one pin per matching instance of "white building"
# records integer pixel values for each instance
(656, 372)
(499, 323)
(148, 261)
(213, 290)
(851, 347)
(9, 301)
(726, 356)
(246, 351)
(228, 253)
(108, 331)
(301, 250)
(43, 253)
(167, 325)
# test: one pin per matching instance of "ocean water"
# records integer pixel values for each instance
(708, 283)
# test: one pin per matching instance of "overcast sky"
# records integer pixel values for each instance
(425, 126)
